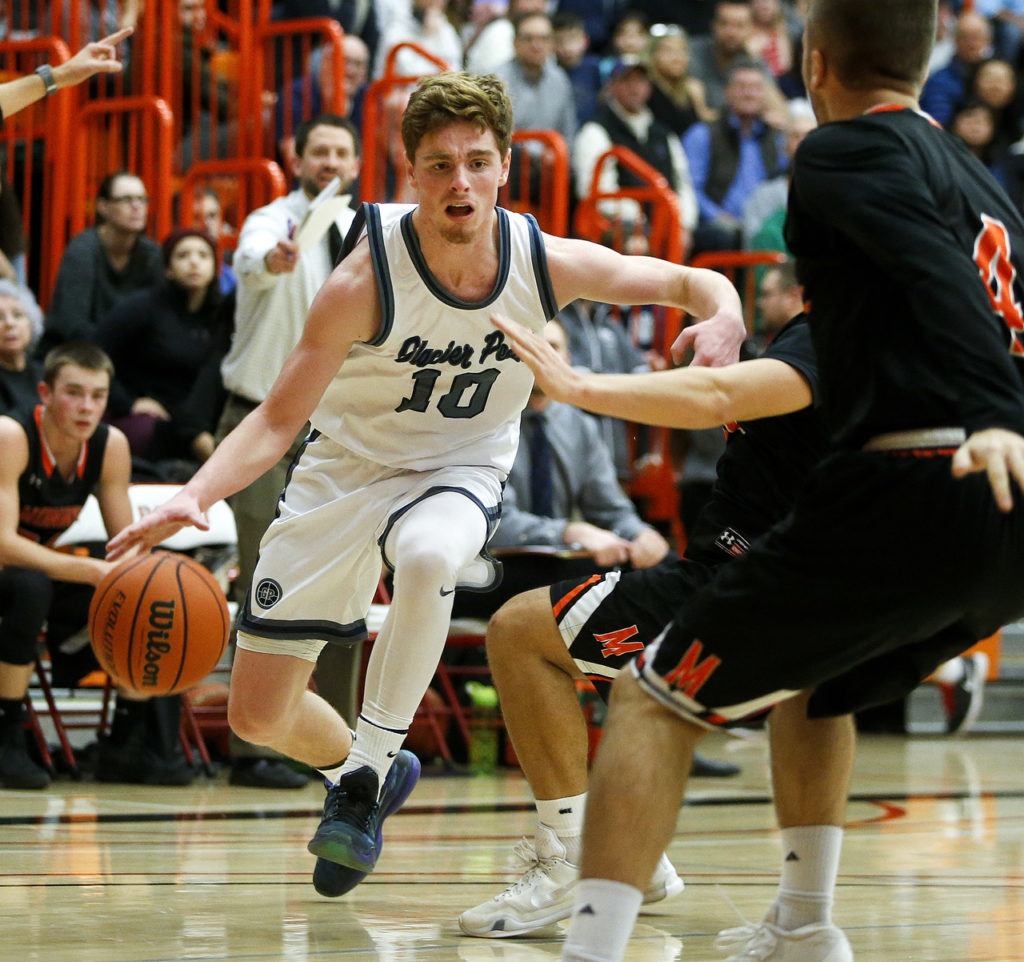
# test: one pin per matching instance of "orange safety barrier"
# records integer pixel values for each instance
(241, 186)
(130, 133)
(539, 181)
(383, 172)
(732, 263)
(659, 232)
(282, 62)
(200, 74)
(36, 154)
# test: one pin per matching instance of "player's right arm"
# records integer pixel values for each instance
(17, 551)
(345, 310)
(687, 397)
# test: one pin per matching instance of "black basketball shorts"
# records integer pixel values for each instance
(606, 619)
(886, 567)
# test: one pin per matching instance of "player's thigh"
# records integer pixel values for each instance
(523, 628)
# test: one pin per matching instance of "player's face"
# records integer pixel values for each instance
(15, 330)
(330, 152)
(456, 174)
(192, 264)
(77, 400)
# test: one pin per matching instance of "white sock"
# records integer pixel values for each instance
(809, 869)
(375, 746)
(602, 921)
(565, 816)
(950, 672)
(332, 773)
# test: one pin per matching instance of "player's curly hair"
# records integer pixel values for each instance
(875, 43)
(450, 97)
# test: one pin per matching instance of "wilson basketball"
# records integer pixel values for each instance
(158, 624)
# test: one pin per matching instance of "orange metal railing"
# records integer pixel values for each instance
(383, 175)
(658, 230)
(130, 133)
(36, 158)
(282, 62)
(539, 180)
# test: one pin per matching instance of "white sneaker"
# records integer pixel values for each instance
(547, 890)
(763, 941)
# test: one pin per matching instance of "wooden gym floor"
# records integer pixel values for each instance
(933, 867)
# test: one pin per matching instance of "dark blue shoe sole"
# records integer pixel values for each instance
(333, 880)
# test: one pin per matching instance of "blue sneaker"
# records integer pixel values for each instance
(350, 837)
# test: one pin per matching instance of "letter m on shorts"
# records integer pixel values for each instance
(691, 674)
(616, 643)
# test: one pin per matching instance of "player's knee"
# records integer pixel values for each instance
(516, 628)
(252, 721)
(426, 564)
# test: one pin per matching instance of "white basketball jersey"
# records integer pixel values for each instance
(438, 385)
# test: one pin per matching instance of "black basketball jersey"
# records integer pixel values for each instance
(910, 256)
(49, 503)
(765, 462)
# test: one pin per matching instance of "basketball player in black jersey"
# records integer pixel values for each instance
(595, 626)
(51, 460)
(896, 555)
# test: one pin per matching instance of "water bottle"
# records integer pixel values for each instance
(483, 728)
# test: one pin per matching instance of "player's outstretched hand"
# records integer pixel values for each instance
(554, 375)
(97, 57)
(715, 342)
(157, 526)
(1000, 454)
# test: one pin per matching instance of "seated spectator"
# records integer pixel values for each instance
(776, 29)
(629, 41)
(712, 57)
(55, 456)
(596, 19)
(208, 216)
(563, 471)
(995, 84)
(21, 324)
(677, 98)
(581, 67)
(358, 18)
(625, 120)
(12, 235)
(310, 95)
(949, 86)
(766, 205)
(167, 343)
(974, 123)
(1007, 18)
(600, 341)
(541, 94)
(104, 263)
(779, 299)
(427, 26)
(731, 157)
(490, 40)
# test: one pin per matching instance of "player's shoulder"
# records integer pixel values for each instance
(14, 443)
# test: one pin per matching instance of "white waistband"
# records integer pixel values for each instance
(923, 438)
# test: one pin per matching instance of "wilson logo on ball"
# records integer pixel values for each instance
(161, 623)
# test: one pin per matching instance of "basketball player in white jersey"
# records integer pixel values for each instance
(414, 399)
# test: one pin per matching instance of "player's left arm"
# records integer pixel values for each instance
(112, 488)
(579, 268)
(686, 397)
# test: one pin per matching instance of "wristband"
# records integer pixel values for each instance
(46, 73)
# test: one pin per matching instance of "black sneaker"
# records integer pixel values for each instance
(333, 880)
(265, 773)
(704, 767)
(132, 764)
(350, 831)
(17, 770)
